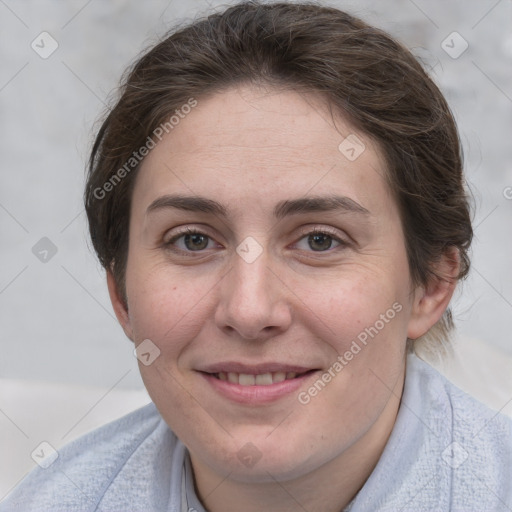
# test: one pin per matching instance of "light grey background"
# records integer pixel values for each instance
(56, 321)
(65, 365)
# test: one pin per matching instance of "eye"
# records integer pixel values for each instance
(190, 241)
(320, 241)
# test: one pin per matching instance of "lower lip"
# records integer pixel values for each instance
(256, 394)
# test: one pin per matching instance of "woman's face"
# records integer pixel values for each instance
(267, 266)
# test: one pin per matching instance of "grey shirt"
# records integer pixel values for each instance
(447, 452)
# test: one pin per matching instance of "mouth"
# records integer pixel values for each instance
(256, 385)
(259, 379)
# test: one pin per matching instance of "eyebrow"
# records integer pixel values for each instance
(282, 209)
(318, 204)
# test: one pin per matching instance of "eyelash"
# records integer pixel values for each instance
(316, 231)
(324, 231)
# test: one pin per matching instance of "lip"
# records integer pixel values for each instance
(258, 395)
(254, 369)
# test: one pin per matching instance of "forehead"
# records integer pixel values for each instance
(249, 144)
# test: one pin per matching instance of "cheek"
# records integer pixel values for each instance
(165, 305)
(369, 323)
(364, 322)
(342, 310)
(170, 310)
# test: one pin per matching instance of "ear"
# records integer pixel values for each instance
(119, 305)
(431, 301)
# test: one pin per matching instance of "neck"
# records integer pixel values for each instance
(330, 487)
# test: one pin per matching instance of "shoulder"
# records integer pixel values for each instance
(469, 417)
(86, 468)
(477, 440)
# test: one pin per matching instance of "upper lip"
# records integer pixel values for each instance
(253, 369)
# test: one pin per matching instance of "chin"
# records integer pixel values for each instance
(265, 460)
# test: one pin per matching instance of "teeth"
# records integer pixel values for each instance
(263, 379)
(245, 379)
(279, 376)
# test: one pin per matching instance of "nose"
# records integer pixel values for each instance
(253, 301)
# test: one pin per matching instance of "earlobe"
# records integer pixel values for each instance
(119, 305)
(431, 301)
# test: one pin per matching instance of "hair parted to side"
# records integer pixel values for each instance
(363, 74)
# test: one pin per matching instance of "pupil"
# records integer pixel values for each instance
(195, 242)
(319, 242)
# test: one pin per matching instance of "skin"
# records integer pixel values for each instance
(249, 149)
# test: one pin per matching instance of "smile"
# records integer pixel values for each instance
(262, 379)
(255, 385)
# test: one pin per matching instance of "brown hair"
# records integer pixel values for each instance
(362, 72)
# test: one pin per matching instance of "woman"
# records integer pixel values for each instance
(277, 199)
